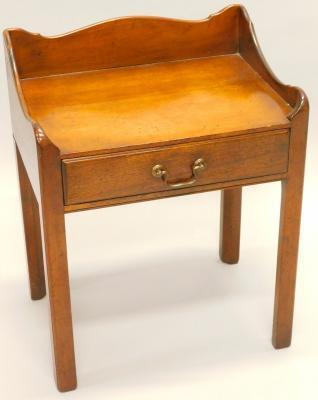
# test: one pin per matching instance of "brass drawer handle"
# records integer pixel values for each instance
(158, 171)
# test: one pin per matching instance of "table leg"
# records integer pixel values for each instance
(290, 215)
(230, 225)
(286, 263)
(56, 266)
(32, 231)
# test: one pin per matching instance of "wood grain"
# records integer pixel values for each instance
(139, 107)
(125, 41)
(106, 177)
(172, 193)
(95, 109)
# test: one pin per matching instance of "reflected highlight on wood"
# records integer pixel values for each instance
(95, 110)
(125, 108)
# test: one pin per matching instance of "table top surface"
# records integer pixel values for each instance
(115, 109)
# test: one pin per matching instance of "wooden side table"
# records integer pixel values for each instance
(143, 108)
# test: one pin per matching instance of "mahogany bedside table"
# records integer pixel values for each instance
(144, 108)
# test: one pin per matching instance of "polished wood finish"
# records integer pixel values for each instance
(95, 110)
(230, 225)
(290, 214)
(53, 228)
(169, 193)
(32, 230)
(251, 52)
(24, 128)
(143, 106)
(105, 177)
(125, 42)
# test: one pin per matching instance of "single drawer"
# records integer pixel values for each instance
(109, 176)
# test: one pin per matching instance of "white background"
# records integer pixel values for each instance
(156, 314)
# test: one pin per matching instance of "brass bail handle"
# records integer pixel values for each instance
(158, 171)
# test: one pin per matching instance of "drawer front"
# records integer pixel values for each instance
(110, 176)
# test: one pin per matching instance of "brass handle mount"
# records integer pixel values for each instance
(159, 171)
